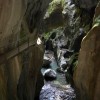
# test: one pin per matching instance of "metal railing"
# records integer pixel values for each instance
(8, 46)
(21, 46)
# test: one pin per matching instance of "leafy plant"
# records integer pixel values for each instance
(54, 5)
(97, 21)
(47, 35)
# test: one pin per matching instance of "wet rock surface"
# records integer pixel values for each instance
(87, 74)
(58, 89)
(66, 48)
(51, 91)
(84, 3)
(19, 21)
(20, 78)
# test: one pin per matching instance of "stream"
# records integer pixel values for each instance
(53, 91)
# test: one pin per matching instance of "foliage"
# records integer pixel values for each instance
(73, 57)
(23, 37)
(75, 65)
(58, 30)
(54, 5)
(47, 35)
(97, 21)
(73, 61)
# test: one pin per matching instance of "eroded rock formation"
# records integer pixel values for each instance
(80, 16)
(87, 74)
(20, 75)
(87, 4)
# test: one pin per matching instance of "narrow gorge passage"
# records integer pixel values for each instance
(57, 58)
(50, 89)
(49, 49)
(53, 65)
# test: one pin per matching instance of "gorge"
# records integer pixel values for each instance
(37, 35)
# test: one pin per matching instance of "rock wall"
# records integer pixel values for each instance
(53, 14)
(20, 75)
(80, 20)
(87, 4)
(18, 18)
(87, 74)
(30, 77)
(72, 18)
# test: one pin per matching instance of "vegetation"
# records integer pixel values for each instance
(75, 65)
(97, 21)
(58, 30)
(47, 35)
(54, 5)
(23, 36)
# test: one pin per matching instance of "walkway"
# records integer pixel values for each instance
(16, 51)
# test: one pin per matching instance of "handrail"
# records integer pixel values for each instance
(15, 44)
(18, 42)
(17, 50)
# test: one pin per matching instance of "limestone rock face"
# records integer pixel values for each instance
(87, 4)
(53, 14)
(87, 74)
(30, 80)
(20, 76)
(18, 18)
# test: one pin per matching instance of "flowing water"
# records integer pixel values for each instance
(58, 90)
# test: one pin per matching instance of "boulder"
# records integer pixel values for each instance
(49, 45)
(49, 75)
(46, 63)
(68, 53)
